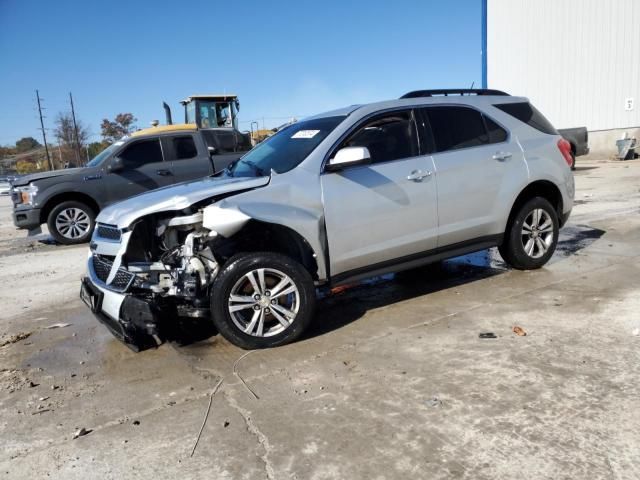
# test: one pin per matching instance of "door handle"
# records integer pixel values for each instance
(163, 173)
(418, 175)
(502, 156)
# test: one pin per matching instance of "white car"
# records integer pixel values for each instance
(5, 187)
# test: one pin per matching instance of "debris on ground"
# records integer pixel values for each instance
(487, 335)
(519, 331)
(636, 332)
(136, 422)
(33, 384)
(434, 402)
(226, 423)
(235, 372)
(15, 338)
(82, 432)
(57, 325)
(41, 411)
(206, 416)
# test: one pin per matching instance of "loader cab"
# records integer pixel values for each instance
(212, 111)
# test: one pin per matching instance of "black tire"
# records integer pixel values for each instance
(78, 233)
(233, 278)
(573, 161)
(515, 242)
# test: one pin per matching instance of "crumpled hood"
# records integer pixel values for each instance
(174, 197)
(26, 179)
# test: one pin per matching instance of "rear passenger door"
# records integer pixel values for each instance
(477, 165)
(143, 169)
(189, 158)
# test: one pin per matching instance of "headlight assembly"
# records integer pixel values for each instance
(26, 194)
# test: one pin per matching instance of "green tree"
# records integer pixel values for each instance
(26, 143)
(96, 147)
(26, 165)
(122, 125)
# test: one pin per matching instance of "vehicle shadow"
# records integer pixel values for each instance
(344, 305)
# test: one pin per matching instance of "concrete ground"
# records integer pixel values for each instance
(392, 381)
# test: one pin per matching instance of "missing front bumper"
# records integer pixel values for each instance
(136, 322)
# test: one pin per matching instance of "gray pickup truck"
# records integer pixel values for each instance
(68, 200)
(578, 138)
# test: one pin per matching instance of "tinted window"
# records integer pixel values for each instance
(527, 113)
(456, 127)
(497, 134)
(388, 137)
(184, 147)
(140, 153)
(226, 141)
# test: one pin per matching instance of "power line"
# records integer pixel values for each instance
(75, 127)
(44, 135)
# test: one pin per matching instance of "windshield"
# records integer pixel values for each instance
(103, 154)
(286, 149)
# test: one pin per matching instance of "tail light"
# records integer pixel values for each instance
(565, 150)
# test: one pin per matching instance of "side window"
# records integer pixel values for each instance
(456, 127)
(390, 136)
(141, 153)
(497, 134)
(184, 147)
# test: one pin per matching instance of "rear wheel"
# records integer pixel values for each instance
(532, 235)
(573, 160)
(262, 300)
(71, 222)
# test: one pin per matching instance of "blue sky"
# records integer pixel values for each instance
(283, 58)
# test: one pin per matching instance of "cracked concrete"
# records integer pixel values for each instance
(355, 397)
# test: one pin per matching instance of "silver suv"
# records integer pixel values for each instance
(341, 196)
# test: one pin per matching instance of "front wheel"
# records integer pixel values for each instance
(532, 235)
(262, 300)
(71, 222)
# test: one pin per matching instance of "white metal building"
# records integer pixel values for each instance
(578, 61)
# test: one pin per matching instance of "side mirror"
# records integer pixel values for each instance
(212, 151)
(116, 165)
(348, 157)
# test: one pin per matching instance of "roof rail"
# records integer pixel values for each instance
(453, 91)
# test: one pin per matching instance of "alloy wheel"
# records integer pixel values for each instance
(264, 302)
(537, 233)
(73, 223)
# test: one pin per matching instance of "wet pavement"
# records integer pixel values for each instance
(392, 380)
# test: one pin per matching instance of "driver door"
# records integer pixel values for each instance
(143, 169)
(385, 212)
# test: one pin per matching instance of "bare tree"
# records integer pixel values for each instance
(66, 136)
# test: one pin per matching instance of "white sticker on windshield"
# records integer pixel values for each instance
(305, 134)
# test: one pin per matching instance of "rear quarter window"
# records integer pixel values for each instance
(527, 113)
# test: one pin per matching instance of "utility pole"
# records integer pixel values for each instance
(75, 128)
(44, 135)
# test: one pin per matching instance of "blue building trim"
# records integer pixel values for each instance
(484, 43)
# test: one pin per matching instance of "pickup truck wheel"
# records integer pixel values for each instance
(532, 235)
(71, 222)
(262, 300)
(573, 160)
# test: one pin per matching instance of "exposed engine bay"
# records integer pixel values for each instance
(165, 264)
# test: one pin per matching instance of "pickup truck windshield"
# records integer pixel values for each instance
(286, 149)
(103, 154)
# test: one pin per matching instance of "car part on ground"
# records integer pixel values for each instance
(328, 200)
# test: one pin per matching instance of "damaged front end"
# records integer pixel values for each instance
(145, 279)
